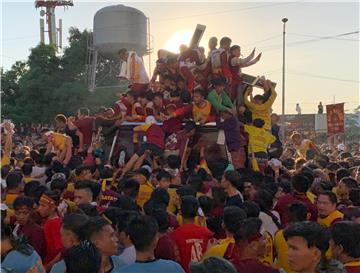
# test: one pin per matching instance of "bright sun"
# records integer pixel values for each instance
(178, 38)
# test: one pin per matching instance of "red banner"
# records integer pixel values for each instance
(335, 118)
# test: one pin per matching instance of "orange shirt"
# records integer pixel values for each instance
(5, 160)
(219, 249)
(201, 112)
(10, 198)
(59, 141)
(282, 251)
(144, 193)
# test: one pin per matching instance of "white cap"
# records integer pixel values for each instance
(150, 120)
(147, 167)
(341, 147)
(275, 162)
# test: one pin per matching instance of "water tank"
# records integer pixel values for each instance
(117, 27)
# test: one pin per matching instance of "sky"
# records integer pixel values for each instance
(325, 70)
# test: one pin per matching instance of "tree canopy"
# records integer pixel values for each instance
(47, 84)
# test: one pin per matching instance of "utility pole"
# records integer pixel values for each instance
(284, 20)
(49, 11)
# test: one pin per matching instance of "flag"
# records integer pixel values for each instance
(335, 118)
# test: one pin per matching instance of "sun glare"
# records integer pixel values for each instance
(178, 38)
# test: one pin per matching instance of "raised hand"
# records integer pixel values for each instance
(249, 89)
(258, 57)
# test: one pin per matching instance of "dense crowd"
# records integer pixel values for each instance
(172, 199)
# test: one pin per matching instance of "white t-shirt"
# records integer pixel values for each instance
(268, 223)
(140, 76)
(38, 171)
(128, 256)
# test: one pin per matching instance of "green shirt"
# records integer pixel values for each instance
(220, 102)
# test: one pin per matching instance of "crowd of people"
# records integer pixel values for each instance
(73, 200)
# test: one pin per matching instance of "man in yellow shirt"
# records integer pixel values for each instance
(303, 145)
(13, 188)
(259, 141)
(60, 143)
(326, 205)
(232, 220)
(146, 188)
(201, 107)
(27, 170)
(327, 212)
(7, 137)
(297, 212)
(259, 138)
(260, 108)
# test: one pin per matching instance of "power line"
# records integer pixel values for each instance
(292, 44)
(320, 76)
(208, 13)
(323, 38)
(315, 36)
(261, 41)
(227, 11)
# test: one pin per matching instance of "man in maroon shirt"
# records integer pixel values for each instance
(300, 185)
(219, 59)
(159, 106)
(165, 248)
(85, 125)
(250, 247)
(191, 240)
(155, 143)
(189, 60)
(23, 207)
(183, 140)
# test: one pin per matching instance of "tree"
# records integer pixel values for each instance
(10, 90)
(73, 60)
(352, 125)
(36, 90)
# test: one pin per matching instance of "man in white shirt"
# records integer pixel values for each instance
(133, 70)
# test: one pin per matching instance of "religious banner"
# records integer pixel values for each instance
(335, 118)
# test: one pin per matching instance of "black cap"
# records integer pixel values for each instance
(219, 81)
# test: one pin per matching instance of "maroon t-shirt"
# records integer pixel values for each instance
(108, 196)
(353, 269)
(85, 126)
(284, 202)
(172, 125)
(252, 266)
(35, 235)
(165, 248)
(155, 135)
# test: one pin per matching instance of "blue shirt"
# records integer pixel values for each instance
(154, 266)
(117, 263)
(18, 262)
(59, 267)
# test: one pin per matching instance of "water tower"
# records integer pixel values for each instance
(115, 27)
